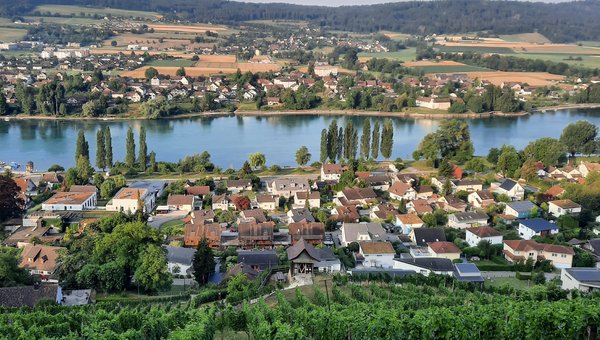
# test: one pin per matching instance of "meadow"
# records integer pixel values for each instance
(408, 54)
(90, 11)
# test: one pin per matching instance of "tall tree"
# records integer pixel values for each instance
(82, 147)
(349, 145)
(100, 150)
(546, 150)
(84, 170)
(203, 262)
(3, 105)
(387, 139)
(508, 161)
(130, 149)
(11, 203)
(375, 141)
(143, 155)
(152, 272)
(332, 140)
(108, 147)
(365, 140)
(580, 137)
(257, 160)
(323, 149)
(302, 156)
(340, 143)
(152, 164)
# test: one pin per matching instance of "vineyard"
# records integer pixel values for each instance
(346, 311)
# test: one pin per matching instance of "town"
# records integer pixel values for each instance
(128, 236)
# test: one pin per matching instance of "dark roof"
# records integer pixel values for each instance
(300, 246)
(424, 235)
(539, 224)
(431, 263)
(470, 216)
(261, 258)
(467, 272)
(521, 206)
(180, 255)
(26, 295)
(585, 275)
(326, 254)
(595, 245)
(508, 184)
(391, 272)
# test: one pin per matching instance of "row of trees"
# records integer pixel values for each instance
(343, 143)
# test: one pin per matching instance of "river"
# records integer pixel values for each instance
(231, 139)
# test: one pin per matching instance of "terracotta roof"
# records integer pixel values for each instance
(399, 188)
(525, 245)
(555, 191)
(409, 219)
(566, 204)
(346, 214)
(377, 248)
(484, 231)
(180, 200)
(308, 230)
(329, 169)
(257, 214)
(70, 198)
(443, 247)
(198, 190)
(485, 194)
(130, 193)
(266, 198)
(359, 193)
(256, 230)
(39, 257)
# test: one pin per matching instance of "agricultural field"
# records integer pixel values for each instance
(531, 78)
(11, 34)
(592, 61)
(395, 35)
(534, 38)
(172, 62)
(447, 66)
(66, 20)
(189, 28)
(89, 11)
(154, 41)
(473, 48)
(408, 54)
(279, 23)
(206, 69)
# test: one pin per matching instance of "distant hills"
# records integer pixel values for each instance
(560, 22)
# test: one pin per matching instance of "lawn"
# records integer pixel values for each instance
(474, 49)
(172, 62)
(67, 20)
(88, 11)
(509, 281)
(11, 34)
(172, 224)
(451, 69)
(408, 54)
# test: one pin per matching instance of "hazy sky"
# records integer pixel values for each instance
(350, 2)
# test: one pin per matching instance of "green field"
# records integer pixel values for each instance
(172, 62)
(473, 49)
(77, 10)
(11, 34)
(452, 69)
(408, 54)
(586, 59)
(67, 20)
(509, 281)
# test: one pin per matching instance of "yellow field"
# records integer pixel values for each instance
(216, 58)
(531, 78)
(11, 34)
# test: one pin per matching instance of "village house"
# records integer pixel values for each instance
(307, 199)
(197, 216)
(536, 227)
(426, 266)
(478, 234)
(407, 222)
(421, 236)
(356, 232)
(444, 249)
(383, 212)
(266, 202)
(252, 215)
(508, 187)
(299, 215)
(195, 231)
(377, 181)
(451, 203)
(400, 190)
(180, 203)
(419, 207)
(332, 172)
(257, 260)
(481, 199)
(521, 250)
(434, 103)
(239, 185)
(130, 200)
(179, 260)
(345, 214)
(40, 260)
(198, 191)
(311, 232)
(467, 220)
(286, 187)
(563, 207)
(554, 192)
(356, 196)
(71, 201)
(586, 167)
(520, 209)
(424, 192)
(376, 254)
(222, 202)
(583, 279)
(253, 235)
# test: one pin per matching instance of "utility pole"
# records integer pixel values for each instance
(327, 291)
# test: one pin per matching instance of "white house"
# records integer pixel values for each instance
(582, 279)
(434, 103)
(408, 222)
(332, 172)
(130, 200)
(467, 220)
(536, 227)
(586, 167)
(512, 189)
(521, 250)
(377, 254)
(357, 232)
(444, 249)
(180, 202)
(71, 201)
(286, 187)
(267, 202)
(481, 199)
(179, 260)
(222, 202)
(400, 190)
(426, 265)
(563, 207)
(478, 234)
(304, 198)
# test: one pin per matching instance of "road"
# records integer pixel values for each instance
(494, 275)
(161, 219)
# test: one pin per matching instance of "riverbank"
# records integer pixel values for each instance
(434, 114)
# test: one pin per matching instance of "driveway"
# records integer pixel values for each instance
(161, 219)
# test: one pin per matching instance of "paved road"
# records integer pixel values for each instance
(493, 275)
(161, 219)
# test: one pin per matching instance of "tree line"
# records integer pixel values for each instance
(343, 143)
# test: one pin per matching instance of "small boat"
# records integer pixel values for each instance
(15, 165)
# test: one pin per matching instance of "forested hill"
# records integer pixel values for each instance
(563, 22)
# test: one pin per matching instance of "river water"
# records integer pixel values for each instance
(231, 139)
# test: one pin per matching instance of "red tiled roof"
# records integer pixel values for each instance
(443, 247)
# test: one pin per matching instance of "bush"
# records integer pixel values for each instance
(523, 276)
(495, 267)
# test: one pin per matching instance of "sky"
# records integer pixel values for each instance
(334, 3)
